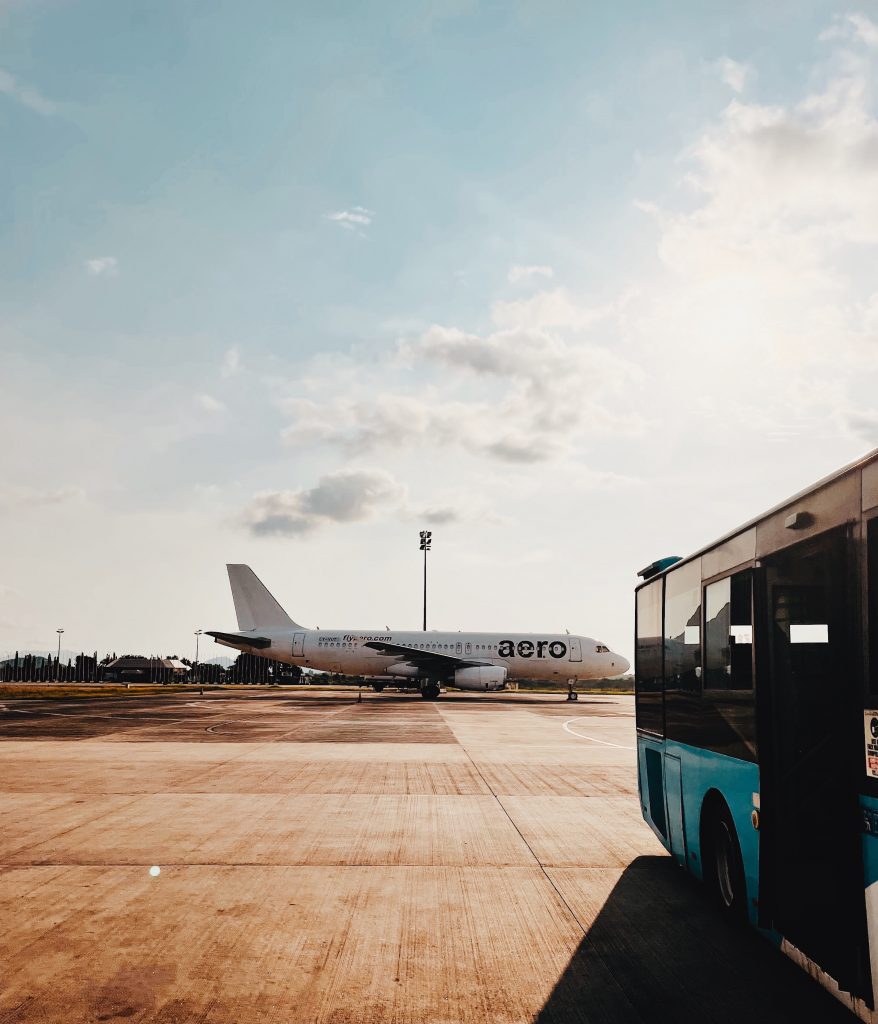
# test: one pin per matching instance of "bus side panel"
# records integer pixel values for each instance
(650, 785)
(869, 807)
(738, 783)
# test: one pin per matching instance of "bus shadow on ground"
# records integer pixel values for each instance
(659, 951)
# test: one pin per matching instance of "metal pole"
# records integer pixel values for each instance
(426, 543)
(195, 667)
(58, 663)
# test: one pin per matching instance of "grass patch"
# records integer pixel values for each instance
(66, 691)
(71, 691)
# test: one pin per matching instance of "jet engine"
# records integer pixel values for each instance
(410, 671)
(480, 677)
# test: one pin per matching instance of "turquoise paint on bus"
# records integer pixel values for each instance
(700, 772)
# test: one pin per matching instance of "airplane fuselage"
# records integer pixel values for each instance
(541, 656)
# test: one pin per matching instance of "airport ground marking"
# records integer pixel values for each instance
(594, 739)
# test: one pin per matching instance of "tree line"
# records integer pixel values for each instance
(87, 668)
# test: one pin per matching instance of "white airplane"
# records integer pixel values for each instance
(467, 661)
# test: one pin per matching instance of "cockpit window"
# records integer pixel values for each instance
(601, 649)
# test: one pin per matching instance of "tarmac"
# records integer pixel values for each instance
(480, 858)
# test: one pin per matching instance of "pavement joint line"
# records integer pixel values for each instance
(548, 877)
(542, 868)
(168, 721)
(112, 718)
(325, 714)
(73, 828)
(355, 865)
(389, 721)
(141, 796)
(250, 747)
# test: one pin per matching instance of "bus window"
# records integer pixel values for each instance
(648, 659)
(682, 642)
(728, 629)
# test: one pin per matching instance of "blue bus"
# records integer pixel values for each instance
(756, 692)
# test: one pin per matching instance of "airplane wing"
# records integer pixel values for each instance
(425, 659)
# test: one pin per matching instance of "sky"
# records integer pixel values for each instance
(576, 286)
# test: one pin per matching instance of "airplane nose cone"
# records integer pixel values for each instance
(620, 665)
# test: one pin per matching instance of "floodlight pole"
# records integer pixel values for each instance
(58, 662)
(197, 635)
(426, 543)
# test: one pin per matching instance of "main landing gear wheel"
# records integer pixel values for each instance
(430, 691)
(378, 687)
(723, 866)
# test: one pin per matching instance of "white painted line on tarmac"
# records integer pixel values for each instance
(594, 739)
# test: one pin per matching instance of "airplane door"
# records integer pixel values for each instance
(298, 645)
(469, 648)
(575, 649)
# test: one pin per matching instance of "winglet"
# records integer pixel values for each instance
(254, 605)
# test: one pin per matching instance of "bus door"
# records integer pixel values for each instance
(810, 844)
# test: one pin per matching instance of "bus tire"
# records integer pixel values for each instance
(723, 865)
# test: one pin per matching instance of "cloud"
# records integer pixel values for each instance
(762, 294)
(356, 217)
(345, 496)
(760, 301)
(26, 96)
(441, 516)
(209, 404)
(518, 273)
(102, 266)
(518, 396)
(863, 425)
(231, 362)
(865, 29)
(772, 179)
(12, 498)
(735, 75)
(556, 308)
(854, 28)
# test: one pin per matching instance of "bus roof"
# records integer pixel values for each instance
(663, 566)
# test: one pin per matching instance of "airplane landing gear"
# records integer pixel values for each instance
(378, 687)
(430, 690)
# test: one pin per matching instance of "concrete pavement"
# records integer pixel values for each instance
(478, 859)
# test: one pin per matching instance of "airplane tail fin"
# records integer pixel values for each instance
(254, 605)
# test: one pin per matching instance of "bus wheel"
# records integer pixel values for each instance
(723, 866)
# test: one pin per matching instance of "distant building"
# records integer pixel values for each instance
(134, 669)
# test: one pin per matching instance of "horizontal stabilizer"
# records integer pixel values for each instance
(254, 605)
(237, 640)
